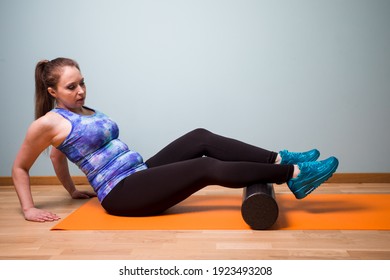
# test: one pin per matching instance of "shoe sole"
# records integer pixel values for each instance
(299, 194)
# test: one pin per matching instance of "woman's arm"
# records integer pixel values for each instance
(39, 136)
(60, 164)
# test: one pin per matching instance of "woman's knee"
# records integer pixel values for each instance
(200, 133)
(201, 137)
(210, 166)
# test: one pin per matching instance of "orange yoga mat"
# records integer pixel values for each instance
(205, 212)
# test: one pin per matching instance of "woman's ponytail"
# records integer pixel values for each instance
(44, 102)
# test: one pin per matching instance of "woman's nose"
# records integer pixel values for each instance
(80, 90)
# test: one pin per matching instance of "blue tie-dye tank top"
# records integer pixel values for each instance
(93, 145)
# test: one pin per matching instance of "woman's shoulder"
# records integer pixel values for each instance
(46, 122)
(52, 126)
(42, 130)
(50, 118)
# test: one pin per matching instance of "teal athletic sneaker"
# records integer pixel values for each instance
(294, 158)
(312, 175)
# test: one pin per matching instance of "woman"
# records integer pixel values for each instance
(123, 182)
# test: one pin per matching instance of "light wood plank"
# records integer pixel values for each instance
(20, 239)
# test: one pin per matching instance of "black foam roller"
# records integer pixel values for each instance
(259, 208)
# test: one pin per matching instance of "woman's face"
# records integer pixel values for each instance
(71, 91)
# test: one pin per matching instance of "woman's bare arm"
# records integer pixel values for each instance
(39, 136)
(60, 164)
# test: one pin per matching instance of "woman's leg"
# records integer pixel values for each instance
(201, 142)
(156, 189)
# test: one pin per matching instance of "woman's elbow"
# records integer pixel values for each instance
(18, 171)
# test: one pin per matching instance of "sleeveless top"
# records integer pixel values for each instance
(93, 145)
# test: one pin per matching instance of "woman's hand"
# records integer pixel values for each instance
(39, 215)
(76, 194)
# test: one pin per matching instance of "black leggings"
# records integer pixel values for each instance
(190, 163)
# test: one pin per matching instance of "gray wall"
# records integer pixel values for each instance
(278, 74)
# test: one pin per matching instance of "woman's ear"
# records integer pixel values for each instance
(51, 91)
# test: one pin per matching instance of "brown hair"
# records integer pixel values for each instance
(47, 74)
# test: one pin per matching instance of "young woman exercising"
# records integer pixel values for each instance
(124, 183)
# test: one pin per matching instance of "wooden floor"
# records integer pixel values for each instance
(20, 239)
